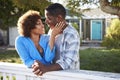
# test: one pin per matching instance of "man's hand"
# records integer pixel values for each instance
(38, 68)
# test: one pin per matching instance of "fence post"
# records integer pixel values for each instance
(20, 77)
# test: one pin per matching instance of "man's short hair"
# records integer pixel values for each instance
(56, 9)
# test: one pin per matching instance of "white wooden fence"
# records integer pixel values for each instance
(11, 71)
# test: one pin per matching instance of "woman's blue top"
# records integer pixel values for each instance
(28, 52)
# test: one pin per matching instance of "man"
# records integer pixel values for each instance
(67, 43)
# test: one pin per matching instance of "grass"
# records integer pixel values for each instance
(10, 56)
(107, 60)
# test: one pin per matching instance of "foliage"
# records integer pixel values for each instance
(11, 10)
(76, 26)
(115, 3)
(112, 37)
(38, 5)
(8, 14)
(75, 5)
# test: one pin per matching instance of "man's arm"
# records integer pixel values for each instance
(39, 68)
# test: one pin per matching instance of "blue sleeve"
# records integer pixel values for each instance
(23, 51)
(49, 54)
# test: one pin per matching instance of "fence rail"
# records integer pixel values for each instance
(12, 71)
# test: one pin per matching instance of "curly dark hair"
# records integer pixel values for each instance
(27, 22)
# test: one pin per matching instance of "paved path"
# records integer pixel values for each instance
(3, 48)
(13, 48)
(86, 47)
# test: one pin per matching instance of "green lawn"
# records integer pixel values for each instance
(107, 60)
(9, 56)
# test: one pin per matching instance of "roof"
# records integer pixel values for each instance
(97, 13)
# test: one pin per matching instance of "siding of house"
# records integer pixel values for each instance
(13, 33)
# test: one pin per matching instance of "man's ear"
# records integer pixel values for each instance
(59, 18)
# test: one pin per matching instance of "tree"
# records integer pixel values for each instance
(74, 6)
(11, 10)
(7, 14)
(111, 7)
(38, 5)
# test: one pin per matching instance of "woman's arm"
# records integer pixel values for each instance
(56, 30)
(23, 52)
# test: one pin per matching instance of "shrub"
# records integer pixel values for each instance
(76, 26)
(112, 37)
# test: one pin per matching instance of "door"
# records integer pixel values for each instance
(96, 30)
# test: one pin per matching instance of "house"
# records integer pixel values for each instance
(1, 39)
(94, 24)
(13, 33)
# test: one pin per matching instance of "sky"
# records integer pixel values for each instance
(59, 1)
(63, 3)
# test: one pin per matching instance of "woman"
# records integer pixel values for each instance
(33, 44)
